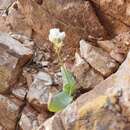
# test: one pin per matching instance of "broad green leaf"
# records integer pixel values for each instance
(59, 101)
(68, 81)
(69, 89)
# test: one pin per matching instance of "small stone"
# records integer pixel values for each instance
(39, 91)
(28, 120)
(20, 92)
(44, 77)
(44, 63)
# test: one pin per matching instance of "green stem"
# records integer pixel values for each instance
(62, 64)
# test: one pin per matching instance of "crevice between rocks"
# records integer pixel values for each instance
(20, 112)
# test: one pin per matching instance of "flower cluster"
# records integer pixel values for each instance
(56, 37)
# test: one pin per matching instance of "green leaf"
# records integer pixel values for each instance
(69, 82)
(59, 101)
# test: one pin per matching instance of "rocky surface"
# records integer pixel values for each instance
(114, 15)
(31, 119)
(9, 111)
(29, 69)
(117, 47)
(52, 124)
(4, 4)
(13, 55)
(98, 59)
(119, 9)
(65, 15)
(82, 70)
(39, 91)
(105, 107)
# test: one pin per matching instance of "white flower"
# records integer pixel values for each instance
(56, 37)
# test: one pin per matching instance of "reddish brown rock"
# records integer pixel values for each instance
(76, 18)
(17, 21)
(30, 119)
(107, 106)
(13, 55)
(3, 26)
(117, 47)
(114, 15)
(103, 104)
(53, 123)
(9, 112)
(119, 9)
(98, 58)
(87, 77)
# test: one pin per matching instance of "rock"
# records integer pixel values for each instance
(9, 112)
(17, 21)
(67, 16)
(23, 39)
(20, 92)
(3, 25)
(99, 113)
(119, 9)
(117, 47)
(39, 91)
(98, 59)
(13, 55)
(53, 123)
(113, 15)
(4, 4)
(82, 70)
(14, 45)
(2, 128)
(30, 119)
(100, 108)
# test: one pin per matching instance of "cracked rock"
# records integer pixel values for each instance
(4, 4)
(100, 108)
(13, 56)
(82, 70)
(98, 58)
(39, 91)
(114, 15)
(76, 18)
(53, 123)
(117, 47)
(30, 119)
(20, 92)
(9, 112)
(17, 21)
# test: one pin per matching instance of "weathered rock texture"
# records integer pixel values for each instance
(117, 47)
(98, 59)
(75, 17)
(13, 55)
(9, 112)
(82, 70)
(4, 4)
(38, 94)
(114, 15)
(31, 119)
(105, 107)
